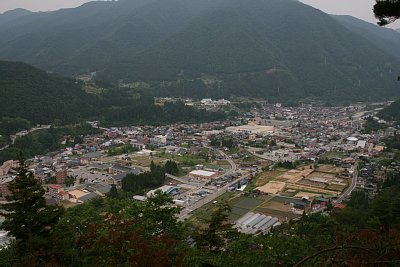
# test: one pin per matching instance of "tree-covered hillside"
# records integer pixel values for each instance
(385, 38)
(278, 49)
(40, 97)
(391, 113)
(30, 96)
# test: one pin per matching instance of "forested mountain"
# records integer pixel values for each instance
(40, 97)
(31, 96)
(391, 113)
(279, 49)
(385, 38)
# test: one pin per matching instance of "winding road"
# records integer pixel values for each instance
(14, 137)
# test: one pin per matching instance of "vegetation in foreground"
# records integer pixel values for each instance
(116, 231)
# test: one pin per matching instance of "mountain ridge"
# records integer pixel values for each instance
(208, 48)
(382, 37)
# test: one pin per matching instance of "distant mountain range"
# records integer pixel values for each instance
(277, 49)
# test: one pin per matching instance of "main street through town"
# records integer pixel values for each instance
(346, 192)
(186, 212)
(351, 187)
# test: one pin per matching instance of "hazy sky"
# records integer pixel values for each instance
(362, 9)
(357, 8)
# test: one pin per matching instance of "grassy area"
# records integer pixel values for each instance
(268, 176)
(335, 187)
(92, 89)
(145, 161)
(185, 160)
(328, 168)
(204, 212)
(232, 150)
(242, 205)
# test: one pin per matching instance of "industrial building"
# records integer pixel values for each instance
(255, 223)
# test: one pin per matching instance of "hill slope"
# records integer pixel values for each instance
(208, 48)
(39, 97)
(30, 96)
(385, 38)
(392, 112)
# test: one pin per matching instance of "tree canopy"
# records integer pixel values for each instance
(27, 218)
(387, 11)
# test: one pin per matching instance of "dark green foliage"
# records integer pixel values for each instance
(143, 111)
(171, 167)
(39, 97)
(27, 218)
(12, 125)
(206, 49)
(113, 192)
(227, 142)
(359, 200)
(138, 183)
(31, 96)
(213, 237)
(386, 207)
(45, 141)
(121, 232)
(124, 149)
(387, 11)
(391, 113)
(290, 165)
(70, 181)
(382, 37)
(371, 125)
(126, 234)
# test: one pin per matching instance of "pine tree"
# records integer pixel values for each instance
(152, 166)
(27, 218)
(113, 192)
(171, 167)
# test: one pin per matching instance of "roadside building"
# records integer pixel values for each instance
(5, 192)
(54, 189)
(166, 189)
(61, 175)
(203, 175)
(8, 166)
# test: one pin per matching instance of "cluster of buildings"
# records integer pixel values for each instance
(305, 133)
(78, 194)
(256, 223)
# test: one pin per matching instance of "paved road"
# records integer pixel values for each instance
(347, 192)
(231, 162)
(185, 213)
(351, 187)
(14, 137)
(4, 147)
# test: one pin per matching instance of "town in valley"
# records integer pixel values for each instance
(271, 164)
